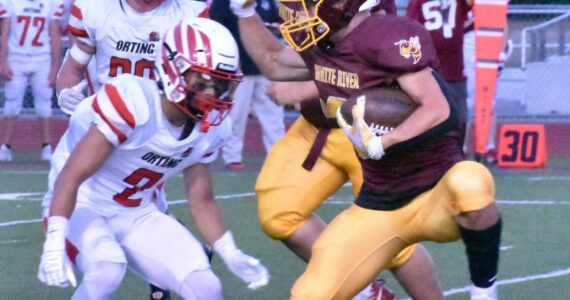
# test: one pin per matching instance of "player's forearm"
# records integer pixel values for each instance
(208, 219)
(262, 46)
(432, 107)
(4, 34)
(70, 74)
(202, 206)
(63, 201)
(55, 45)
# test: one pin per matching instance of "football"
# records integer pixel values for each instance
(382, 107)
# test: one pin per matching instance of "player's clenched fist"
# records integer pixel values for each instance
(243, 8)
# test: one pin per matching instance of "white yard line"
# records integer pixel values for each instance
(552, 274)
(557, 273)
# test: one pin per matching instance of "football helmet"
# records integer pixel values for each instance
(207, 50)
(309, 21)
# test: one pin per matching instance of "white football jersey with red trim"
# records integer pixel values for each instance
(29, 24)
(126, 41)
(128, 111)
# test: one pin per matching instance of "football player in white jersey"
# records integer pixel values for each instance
(115, 37)
(144, 131)
(121, 36)
(31, 32)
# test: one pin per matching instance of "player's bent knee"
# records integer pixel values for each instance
(309, 287)
(12, 108)
(282, 226)
(471, 184)
(100, 280)
(43, 109)
(201, 284)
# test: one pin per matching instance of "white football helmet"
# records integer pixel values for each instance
(208, 49)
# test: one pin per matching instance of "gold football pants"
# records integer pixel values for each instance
(288, 194)
(359, 243)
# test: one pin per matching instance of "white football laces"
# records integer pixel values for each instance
(380, 130)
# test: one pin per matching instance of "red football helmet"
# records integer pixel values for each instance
(208, 51)
(310, 21)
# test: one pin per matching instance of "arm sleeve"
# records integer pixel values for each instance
(117, 115)
(404, 45)
(79, 22)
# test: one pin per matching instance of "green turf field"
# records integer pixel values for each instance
(535, 260)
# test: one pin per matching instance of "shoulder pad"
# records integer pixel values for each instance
(121, 106)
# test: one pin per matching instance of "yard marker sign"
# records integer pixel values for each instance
(522, 145)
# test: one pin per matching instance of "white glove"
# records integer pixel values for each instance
(248, 268)
(366, 140)
(69, 98)
(55, 268)
(243, 8)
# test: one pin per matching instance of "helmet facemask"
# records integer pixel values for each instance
(208, 99)
(308, 22)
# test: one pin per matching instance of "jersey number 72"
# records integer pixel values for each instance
(38, 22)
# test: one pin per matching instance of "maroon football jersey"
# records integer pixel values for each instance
(376, 53)
(444, 20)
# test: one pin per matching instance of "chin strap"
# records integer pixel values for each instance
(326, 44)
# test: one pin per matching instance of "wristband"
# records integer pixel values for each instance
(79, 55)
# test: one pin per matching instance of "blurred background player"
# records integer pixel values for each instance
(30, 54)
(315, 159)
(251, 91)
(117, 37)
(146, 131)
(444, 21)
(121, 35)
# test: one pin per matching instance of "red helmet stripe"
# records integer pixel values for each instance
(191, 36)
(208, 48)
(119, 105)
(168, 66)
(120, 135)
(178, 38)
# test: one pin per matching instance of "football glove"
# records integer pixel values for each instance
(243, 8)
(247, 268)
(69, 98)
(55, 268)
(366, 140)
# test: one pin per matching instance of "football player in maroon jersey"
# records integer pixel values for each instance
(416, 186)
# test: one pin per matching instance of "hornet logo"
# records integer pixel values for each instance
(410, 48)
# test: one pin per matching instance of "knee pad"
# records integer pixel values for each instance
(471, 185)
(43, 107)
(201, 284)
(100, 280)
(12, 107)
(282, 225)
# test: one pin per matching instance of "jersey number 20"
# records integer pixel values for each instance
(126, 67)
